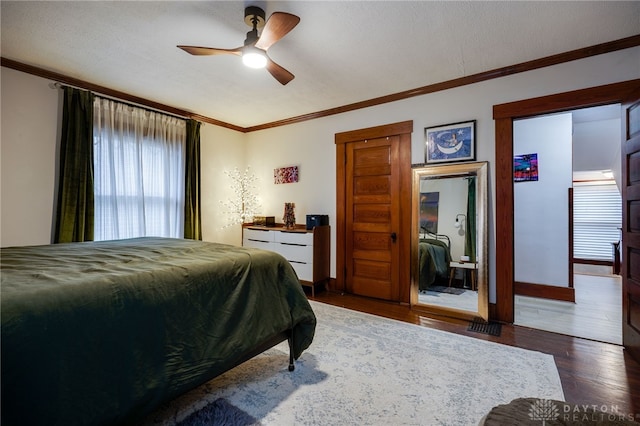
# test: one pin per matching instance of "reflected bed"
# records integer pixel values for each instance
(434, 258)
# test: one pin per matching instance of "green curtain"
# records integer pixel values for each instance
(470, 237)
(192, 213)
(74, 212)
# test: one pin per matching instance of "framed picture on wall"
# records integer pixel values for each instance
(525, 168)
(429, 212)
(450, 143)
(285, 175)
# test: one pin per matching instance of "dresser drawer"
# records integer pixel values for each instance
(265, 245)
(258, 235)
(302, 238)
(304, 270)
(308, 252)
(294, 252)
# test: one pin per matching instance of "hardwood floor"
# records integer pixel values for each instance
(591, 372)
(596, 313)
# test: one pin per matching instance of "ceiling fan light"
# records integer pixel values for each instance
(254, 59)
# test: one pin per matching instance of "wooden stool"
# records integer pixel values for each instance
(472, 267)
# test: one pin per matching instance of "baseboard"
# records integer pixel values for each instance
(593, 262)
(332, 284)
(493, 313)
(566, 294)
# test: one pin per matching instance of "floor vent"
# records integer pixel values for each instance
(481, 326)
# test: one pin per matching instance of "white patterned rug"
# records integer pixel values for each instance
(366, 370)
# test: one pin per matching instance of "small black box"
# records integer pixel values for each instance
(317, 220)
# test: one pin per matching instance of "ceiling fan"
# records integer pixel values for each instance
(254, 50)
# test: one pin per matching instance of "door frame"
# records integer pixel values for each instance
(504, 115)
(403, 130)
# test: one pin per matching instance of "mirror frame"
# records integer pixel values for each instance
(480, 170)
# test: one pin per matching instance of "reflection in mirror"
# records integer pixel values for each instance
(449, 241)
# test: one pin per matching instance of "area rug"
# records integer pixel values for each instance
(448, 290)
(219, 413)
(367, 370)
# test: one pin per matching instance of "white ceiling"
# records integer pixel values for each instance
(341, 52)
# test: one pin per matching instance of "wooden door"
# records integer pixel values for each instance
(631, 224)
(372, 218)
(373, 185)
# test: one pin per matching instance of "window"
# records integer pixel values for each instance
(139, 159)
(597, 218)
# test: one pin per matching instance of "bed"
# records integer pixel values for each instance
(434, 258)
(104, 332)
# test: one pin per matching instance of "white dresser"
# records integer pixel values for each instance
(308, 251)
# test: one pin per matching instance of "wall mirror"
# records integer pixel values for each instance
(449, 240)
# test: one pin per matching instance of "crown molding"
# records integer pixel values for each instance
(572, 55)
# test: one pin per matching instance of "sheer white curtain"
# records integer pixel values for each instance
(139, 159)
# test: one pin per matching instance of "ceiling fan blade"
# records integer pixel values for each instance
(279, 73)
(277, 26)
(196, 50)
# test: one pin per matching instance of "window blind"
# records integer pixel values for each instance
(597, 217)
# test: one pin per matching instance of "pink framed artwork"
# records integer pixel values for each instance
(285, 175)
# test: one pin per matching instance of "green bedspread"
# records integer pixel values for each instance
(104, 332)
(434, 258)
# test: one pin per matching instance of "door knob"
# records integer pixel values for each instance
(394, 237)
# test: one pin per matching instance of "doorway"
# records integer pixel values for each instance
(563, 255)
(504, 115)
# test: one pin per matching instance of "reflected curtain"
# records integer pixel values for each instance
(192, 210)
(470, 237)
(139, 179)
(75, 207)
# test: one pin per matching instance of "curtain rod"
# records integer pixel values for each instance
(58, 85)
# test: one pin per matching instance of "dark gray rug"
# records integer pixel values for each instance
(449, 290)
(220, 413)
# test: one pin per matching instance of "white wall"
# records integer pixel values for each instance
(220, 149)
(314, 140)
(541, 209)
(452, 201)
(30, 113)
(310, 144)
(600, 140)
(29, 141)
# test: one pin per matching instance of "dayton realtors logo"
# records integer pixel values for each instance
(545, 410)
